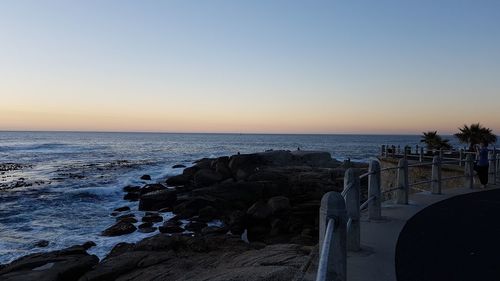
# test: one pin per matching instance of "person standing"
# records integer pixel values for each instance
(482, 163)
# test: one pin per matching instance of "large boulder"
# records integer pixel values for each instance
(151, 187)
(259, 210)
(119, 228)
(279, 204)
(222, 167)
(217, 257)
(314, 159)
(156, 200)
(243, 165)
(178, 180)
(63, 265)
(206, 177)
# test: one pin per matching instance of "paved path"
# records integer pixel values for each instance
(377, 259)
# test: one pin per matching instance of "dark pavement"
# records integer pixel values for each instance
(455, 239)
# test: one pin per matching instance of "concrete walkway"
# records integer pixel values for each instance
(376, 260)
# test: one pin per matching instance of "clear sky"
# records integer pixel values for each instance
(250, 66)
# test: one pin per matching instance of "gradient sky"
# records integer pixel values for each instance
(250, 66)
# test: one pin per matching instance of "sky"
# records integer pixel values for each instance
(260, 66)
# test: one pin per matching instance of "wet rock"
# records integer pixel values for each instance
(214, 230)
(152, 218)
(151, 187)
(279, 204)
(89, 244)
(259, 210)
(178, 166)
(147, 227)
(146, 177)
(128, 219)
(207, 214)
(156, 200)
(122, 209)
(168, 227)
(237, 222)
(206, 177)
(119, 228)
(41, 244)
(131, 188)
(132, 196)
(63, 265)
(178, 180)
(195, 226)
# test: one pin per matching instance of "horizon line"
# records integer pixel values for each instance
(212, 133)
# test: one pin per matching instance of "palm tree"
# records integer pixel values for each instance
(434, 141)
(475, 134)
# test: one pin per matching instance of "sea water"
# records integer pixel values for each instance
(63, 186)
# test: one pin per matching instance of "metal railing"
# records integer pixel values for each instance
(340, 212)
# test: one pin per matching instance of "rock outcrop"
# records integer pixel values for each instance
(221, 257)
(64, 265)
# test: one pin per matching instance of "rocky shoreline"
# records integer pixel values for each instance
(243, 217)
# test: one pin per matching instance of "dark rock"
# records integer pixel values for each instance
(244, 164)
(146, 177)
(89, 244)
(42, 244)
(63, 265)
(152, 187)
(279, 204)
(178, 180)
(207, 214)
(279, 226)
(147, 229)
(132, 196)
(214, 230)
(258, 231)
(190, 171)
(145, 225)
(122, 209)
(165, 210)
(119, 228)
(128, 219)
(125, 216)
(204, 163)
(206, 177)
(222, 167)
(156, 200)
(152, 218)
(195, 226)
(131, 188)
(169, 228)
(191, 206)
(237, 222)
(178, 166)
(259, 210)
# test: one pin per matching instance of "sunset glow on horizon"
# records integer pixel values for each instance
(375, 67)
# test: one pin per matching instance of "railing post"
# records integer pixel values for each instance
(436, 175)
(402, 192)
(382, 150)
(469, 171)
(421, 158)
(351, 185)
(492, 168)
(374, 191)
(460, 157)
(333, 206)
(497, 165)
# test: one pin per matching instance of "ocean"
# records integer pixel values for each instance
(62, 186)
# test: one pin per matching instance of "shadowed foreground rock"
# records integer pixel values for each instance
(217, 258)
(64, 265)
